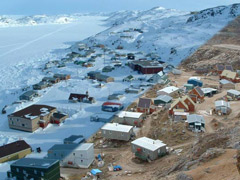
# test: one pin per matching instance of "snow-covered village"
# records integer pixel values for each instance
(131, 94)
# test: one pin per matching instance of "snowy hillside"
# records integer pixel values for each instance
(13, 21)
(171, 34)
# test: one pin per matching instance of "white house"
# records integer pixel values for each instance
(148, 149)
(117, 131)
(222, 107)
(196, 122)
(171, 91)
(129, 118)
(73, 155)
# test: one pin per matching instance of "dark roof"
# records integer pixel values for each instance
(229, 67)
(199, 90)
(12, 148)
(33, 111)
(144, 103)
(29, 93)
(77, 96)
(35, 163)
(74, 138)
(59, 115)
(220, 67)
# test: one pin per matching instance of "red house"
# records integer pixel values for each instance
(145, 105)
(146, 67)
(186, 104)
(197, 94)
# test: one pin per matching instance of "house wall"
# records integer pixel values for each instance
(178, 106)
(194, 91)
(29, 125)
(233, 95)
(123, 136)
(58, 121)
(15, 156)
(76, 158)
(191, 106)
(129, 121)
(227, 86)
(151, 70)
(153, 155)
(52, 172)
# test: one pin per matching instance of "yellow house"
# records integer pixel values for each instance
(14, 151)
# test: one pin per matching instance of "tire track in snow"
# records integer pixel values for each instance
(37, 39)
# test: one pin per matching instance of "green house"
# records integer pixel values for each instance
(189, 87)
(35, 169)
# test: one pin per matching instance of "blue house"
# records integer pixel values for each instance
(195, 82)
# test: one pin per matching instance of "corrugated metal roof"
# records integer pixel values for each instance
(233, 91)
(117, 127)
(148, 143)
(35, 163)
(194, 118)
(164, 98)
(129, 114)
(222, 103)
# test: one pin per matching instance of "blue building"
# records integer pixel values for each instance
(195, 82)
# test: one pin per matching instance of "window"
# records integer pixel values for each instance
(144, 150)
(23, 125)
(10, 118)
(12, 123)
(24, 172)
(122, 134)
(81, 155)
(55, 154)
(104, 132)
(35, 171)
(17, 170)
(81, 160)
(17, 120)
(110, 132)
(42, 173)
(74, 154)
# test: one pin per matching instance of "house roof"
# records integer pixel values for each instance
(71, 147)
(222, 103)
(33, 111)
(224, 81)
(220, 67)
(179, 101)
(194, 118)
(147, 63)
(73, 96)
(233, 91)
(117, 127)
(199, 91)
(208, 90)
(35, 163)
(187, 97)
(148, 143)
(144, 103)
(169, 89)
(229, 74)
(29, 93)
(229, 67)
(75, 139)
(123, 114)
(164, 98)
(14, 147)
(59, 115)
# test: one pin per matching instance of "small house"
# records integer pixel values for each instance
(209, 91)
(115, 131)
(179, 115)
(15, 150)
(101, 117)
(222, 107)
(62, 76)
(129, 118)
(145, 105)
(225, 84)
(129, 78)
(116, 96)
(234, 94)
(85, 98)
(112, 106)
(148, 149)
(220, 68)
(196, 122)
(74, 139)
(170, 91)
(146, 66)
(41, 85)
(197, 94)
(162, 100)
(160, 78)
(133, 90)
(58, 117)
(72, 155)
(131, 56)
(30, 168)
(230, 76)
(29, 95)
(189, 87)
(51, 80)
(195, 82)
(93, 74)
(108, 69)
(104, 78)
